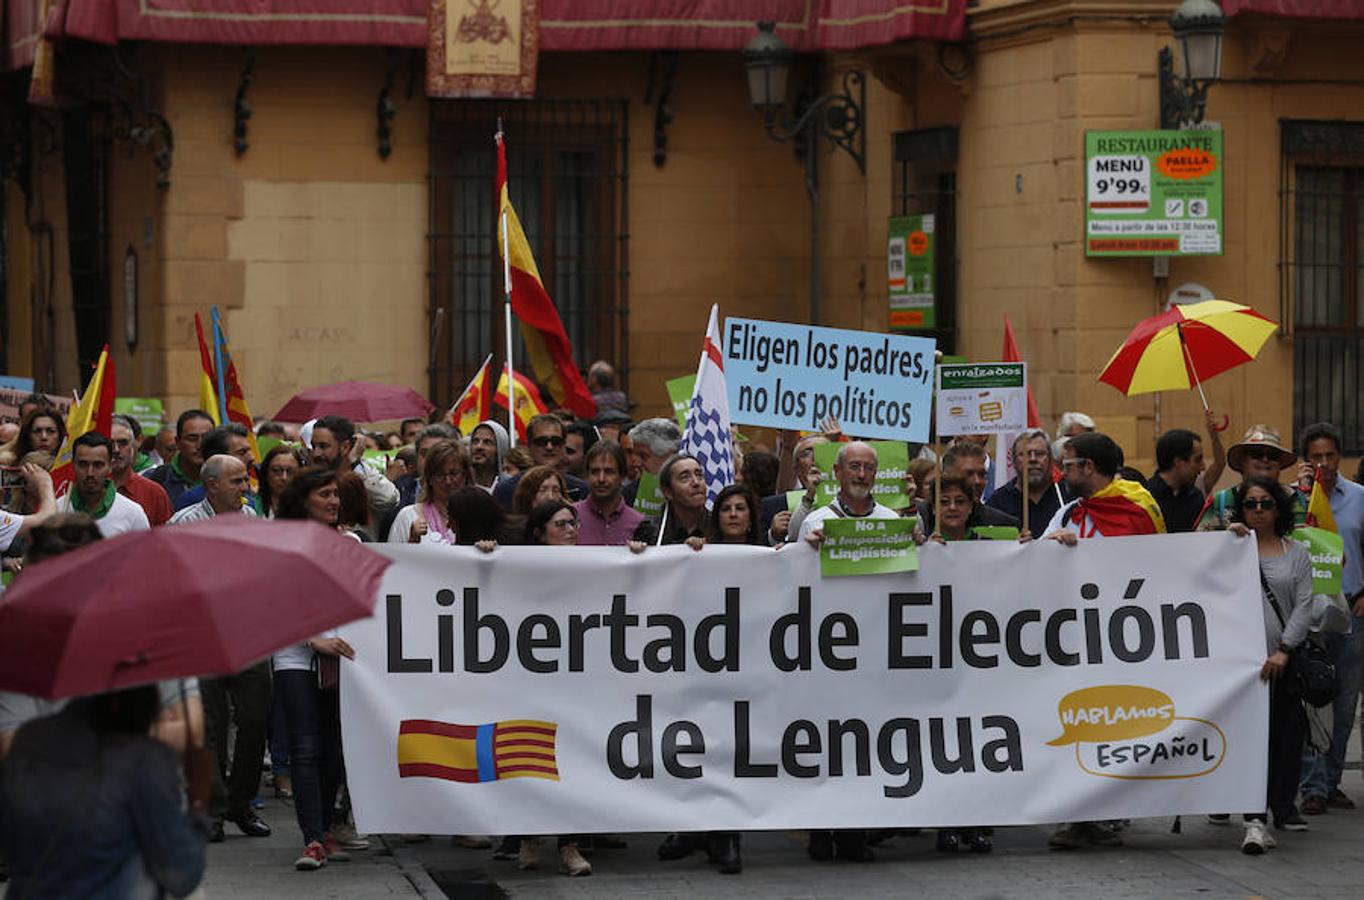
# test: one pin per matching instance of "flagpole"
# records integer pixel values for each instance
(507, 311)
(218, 364)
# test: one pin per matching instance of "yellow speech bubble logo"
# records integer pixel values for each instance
(1112, 712)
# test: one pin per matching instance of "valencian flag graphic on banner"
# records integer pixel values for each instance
(551, 355)
(472, 754)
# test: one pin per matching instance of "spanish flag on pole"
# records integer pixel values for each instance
(472, 754)
(208, 395)
(1319, 513)
(473, 406)
(529, 403)
(551, 355)
(94, 412)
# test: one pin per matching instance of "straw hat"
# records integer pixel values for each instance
(1260, 436)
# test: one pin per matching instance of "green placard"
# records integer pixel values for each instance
(793, 499)
(1327, 550)
(267, 443)
(889, 487)
(649, 497)
(377, 460)
(679, 392)
(995, 532)
(868, 547)
(910, 275)
(1153, 193)
(148, 412)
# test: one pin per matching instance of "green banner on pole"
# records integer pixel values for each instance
(1327, 550)
(679, 392)
(868, 547)
(649, 498)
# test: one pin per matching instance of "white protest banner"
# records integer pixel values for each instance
(982, 398)
(559, 690)
(796, 376)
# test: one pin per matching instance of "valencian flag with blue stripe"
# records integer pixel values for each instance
(472, 754)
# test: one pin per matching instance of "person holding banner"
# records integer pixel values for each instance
(735, 518)
(445, 469)
(684, 518)
(1033, 462)
(778, 519)
(606, 520)
(1264, 508)
(313, 712)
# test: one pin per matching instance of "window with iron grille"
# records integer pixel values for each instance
(1322, 273)
(924, 180)
(567, 178)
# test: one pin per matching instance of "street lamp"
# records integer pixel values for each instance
(836, 117)
(1198, 27)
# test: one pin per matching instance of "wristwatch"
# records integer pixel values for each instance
(1285, 648)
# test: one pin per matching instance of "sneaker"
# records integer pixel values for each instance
(1339, 800)
(348, 839)
(1313, 806)
(314, 857)
(528, 857)
(472, 841)
(571, 862)
(1068, 836)
(507, 848)
(1254, 843)
(1219, 819)
(1104, 834)
(335, 852)
(1291, 822)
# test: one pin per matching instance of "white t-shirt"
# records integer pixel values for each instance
(835, 511)
(10, 524)
(296, 657)
(401, 529)
(125, 515)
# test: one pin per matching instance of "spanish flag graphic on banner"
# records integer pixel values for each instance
(516, 748)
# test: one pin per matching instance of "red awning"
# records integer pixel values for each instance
(573, 25)
(1297, 9)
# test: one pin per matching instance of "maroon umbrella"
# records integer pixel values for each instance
(207, 598)
(359, 401)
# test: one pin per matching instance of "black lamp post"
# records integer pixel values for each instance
(838, 118)
(1198, 27)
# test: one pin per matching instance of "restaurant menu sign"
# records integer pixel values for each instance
(1153, 193)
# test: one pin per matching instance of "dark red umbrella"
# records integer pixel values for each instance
(207, 598)
(359, 401)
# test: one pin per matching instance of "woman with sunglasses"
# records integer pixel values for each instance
(1263, 508)
(446, 469)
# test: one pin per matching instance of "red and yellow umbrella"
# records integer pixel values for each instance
(1184, 347)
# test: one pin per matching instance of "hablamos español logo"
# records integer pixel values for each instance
(1132, 732)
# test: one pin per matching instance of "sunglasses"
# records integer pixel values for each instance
(548, 440)
(1265, 504)
(1263, 454)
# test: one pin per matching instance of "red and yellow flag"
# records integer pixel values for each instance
(547, 345)
(473, 406)
(473, 754)
(94, 412)
(208, 395)
(529, 403)
(1123, 507)
(1319, 513)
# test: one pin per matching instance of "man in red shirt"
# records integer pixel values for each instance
(145, 493)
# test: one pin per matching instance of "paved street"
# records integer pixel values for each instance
(1203, 861)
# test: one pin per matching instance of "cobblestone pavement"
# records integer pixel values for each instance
(1203, 861)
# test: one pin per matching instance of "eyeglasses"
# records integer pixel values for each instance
(1266, 503)
(548, 440)
(452, 475)
(858, 466)
(565, 524)
(1073, 462)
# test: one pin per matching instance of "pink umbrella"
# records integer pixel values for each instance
(207, 598)
(359, 401)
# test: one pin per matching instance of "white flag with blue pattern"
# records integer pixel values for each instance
(707, 435)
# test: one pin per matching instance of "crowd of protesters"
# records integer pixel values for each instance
(576, 483)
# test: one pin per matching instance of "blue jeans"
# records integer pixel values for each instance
(1321, 772)
(314, 748)
(279, 738)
